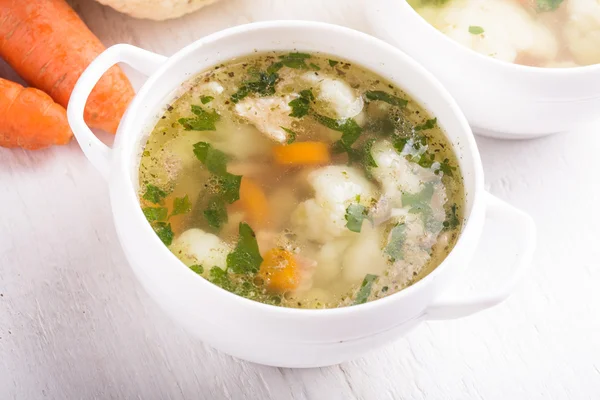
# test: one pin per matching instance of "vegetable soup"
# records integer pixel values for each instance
(540, 33)
(301, 180)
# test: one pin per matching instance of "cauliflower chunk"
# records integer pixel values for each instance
(195, 246)
(526, 36)
(364, 256)
(582, 30)
(334, 98)
(395, 173)
(324, 217)
(157, 10)
(268, 114)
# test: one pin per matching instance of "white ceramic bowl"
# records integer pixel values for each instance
(500, 99)
(255, 331)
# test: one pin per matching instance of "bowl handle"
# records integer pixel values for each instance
(506, 247)
(144, 61)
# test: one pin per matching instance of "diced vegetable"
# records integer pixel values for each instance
(279, 270)
(254, 202)
(301, 153)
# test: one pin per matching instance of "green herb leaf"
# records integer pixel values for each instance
(355, 215)
(220, 278)
(548, 5)
(274, 67)
(206, 99)
(291, 135)
(155, 213)
(164, 232)
(204, 121)
(446, 168)
(227, 186)
(386, 97)
(154, 194)
(315, 66)
(452, 221)
(418, 201)
(429, 124)
(394, 247)
(365, 289)
(216, 213)
(399, 143)
(199, 269)
(181, 205)
(476, 30)
(245, 259)
(333, 63)
(349, 128)
(295, 60)
(214, 160)
(301, 105)
(368, 159)
(262, 84)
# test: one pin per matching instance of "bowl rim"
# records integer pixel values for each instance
(128, 152)
(492, 62)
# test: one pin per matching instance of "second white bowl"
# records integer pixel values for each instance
(500, 99)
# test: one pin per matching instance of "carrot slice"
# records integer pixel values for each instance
(279, 270)
(49, 46)
(254, 201)
(301, 153)
(30, 119)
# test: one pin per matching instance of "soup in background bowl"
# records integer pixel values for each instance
(502, 99)
(539, 33)
(252, 330)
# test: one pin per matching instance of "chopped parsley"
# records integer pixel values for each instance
(365, 289)
(164, 232)
(418, 202)
(155, 213)
(154, 194)
(548, 5)
(214, 160)
(216, 213)
(204, 120)
(476, 30)
(429, 124)
(295, 60)
(199, 269)
(315, 66)
(394, 247)
(245, 258)
(291, 138)
(181, 205)
(333, 63)
(368, 159)
(261, 83)
(452, 221)
(446, 168)
(386, 97)
(227, 186)
(301, 105)
(349, 128)
(355, 215)
(206, 99)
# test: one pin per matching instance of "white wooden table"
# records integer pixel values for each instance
(74, 323)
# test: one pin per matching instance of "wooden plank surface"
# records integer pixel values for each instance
(75, 324)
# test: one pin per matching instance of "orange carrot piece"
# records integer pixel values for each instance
(254, 202)
(49, 46)
(279, 270)
(301, 153)
(30, 119)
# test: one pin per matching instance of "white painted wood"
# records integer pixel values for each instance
(74, 324)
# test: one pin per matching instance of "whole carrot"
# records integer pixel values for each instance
(50, 46)
(30, 119)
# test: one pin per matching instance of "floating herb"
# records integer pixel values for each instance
(365, 289)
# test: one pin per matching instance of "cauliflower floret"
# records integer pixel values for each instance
(158, 10)
(336, 187)
(329, 260)
(269, 114)
(364, 256)
(334, 98)
(396, 174)
(525, 35)
(196, 247)
(582, 30)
